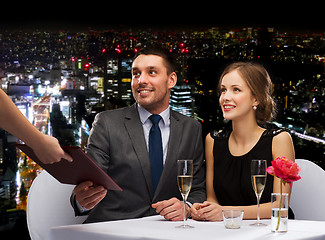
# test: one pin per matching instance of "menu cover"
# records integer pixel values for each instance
(81, 169)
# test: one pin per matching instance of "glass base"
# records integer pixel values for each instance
(184, 226)
(258, 224)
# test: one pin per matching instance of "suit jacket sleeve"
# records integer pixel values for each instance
(97, 149)
(198, 191)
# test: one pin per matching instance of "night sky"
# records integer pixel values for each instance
(99, 15)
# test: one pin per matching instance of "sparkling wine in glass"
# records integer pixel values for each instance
(184, 181)
(258, 178)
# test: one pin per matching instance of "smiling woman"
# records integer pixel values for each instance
(236, 99)
(245, 99)
(260, 85)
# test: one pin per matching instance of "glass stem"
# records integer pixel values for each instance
(258, 209)
(184, 219)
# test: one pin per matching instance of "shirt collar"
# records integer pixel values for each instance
(144, 115)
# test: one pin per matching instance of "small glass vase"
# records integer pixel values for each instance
(280, 210)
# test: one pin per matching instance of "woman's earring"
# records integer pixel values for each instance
(254, 107)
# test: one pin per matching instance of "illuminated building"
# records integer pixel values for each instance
(182, 100)
(119, 79)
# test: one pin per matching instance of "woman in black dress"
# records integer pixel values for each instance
(245, 99)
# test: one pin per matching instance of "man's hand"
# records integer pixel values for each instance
(89, 196)
(172, 209)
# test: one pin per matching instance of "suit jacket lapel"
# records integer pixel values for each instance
(175, 137)
(134, 127)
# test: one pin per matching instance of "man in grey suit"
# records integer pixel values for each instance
(119, 142)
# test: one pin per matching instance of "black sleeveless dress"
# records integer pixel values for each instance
(232, 178)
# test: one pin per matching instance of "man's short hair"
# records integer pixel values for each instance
(160, 51)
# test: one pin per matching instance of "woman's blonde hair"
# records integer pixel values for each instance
(260, 84)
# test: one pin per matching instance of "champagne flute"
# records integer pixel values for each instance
(258, 178)
(184, 181)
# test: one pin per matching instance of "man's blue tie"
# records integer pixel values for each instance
(155, 150)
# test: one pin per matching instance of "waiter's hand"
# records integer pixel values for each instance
(48, 150)
(88, 196)
(172, 209)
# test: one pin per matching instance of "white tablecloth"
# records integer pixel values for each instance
(157, 228)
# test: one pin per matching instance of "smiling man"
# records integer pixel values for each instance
(138, 146)
(152, 79)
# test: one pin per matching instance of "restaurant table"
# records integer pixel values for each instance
(157, 228)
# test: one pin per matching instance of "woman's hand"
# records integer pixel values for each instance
(194, 211)
(206, 211)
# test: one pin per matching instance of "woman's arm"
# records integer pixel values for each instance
(211, 196)
(209, 143)
(12, 120)
(282, 146)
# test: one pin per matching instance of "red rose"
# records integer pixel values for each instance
(284, 169)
